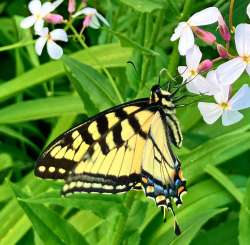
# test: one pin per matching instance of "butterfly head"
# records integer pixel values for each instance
(161, 96)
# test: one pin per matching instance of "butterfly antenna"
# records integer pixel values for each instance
(133, 64)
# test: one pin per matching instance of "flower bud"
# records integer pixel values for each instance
(54, 18)
(222, 51)
(205, 65)
(205, 36)
(71, 6)
(223, 29)
(87, 21)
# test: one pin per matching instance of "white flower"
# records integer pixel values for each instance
(231, 70)
(92, 18)
(226, 107)
(54, 50)
(248, 10)
(184, 29)
(195, 82)
(39, 12)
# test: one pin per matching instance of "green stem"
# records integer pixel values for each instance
(16, 45)
(79, 38)
(231, 10)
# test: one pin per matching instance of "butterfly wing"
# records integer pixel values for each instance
(103, 154)
(161, 174)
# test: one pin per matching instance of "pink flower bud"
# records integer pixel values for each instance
(223, 29)
(205, 36)
(71, 6)
(222, 51)
(205, 65)
(54, 18)
(87, 21)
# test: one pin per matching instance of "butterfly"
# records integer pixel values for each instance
(123, 148)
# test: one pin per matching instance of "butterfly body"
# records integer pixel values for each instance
(123, 148)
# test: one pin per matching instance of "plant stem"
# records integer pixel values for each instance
(231, 10)
(16, 45)
(84, 45)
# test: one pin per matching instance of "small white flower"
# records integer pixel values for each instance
(226, 107)
(248, 10)
(184, 29)
(39, 12)
(92, 18)
(195, 82)
(231, 70)
(54, 50)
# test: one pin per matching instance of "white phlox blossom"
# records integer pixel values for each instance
(184, 29)
(92, 19)
(226, 107)
(49, 38)
(195, 82)
(248, 10)
(39, 12)
(231, 70)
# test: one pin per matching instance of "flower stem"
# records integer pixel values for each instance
(84, 45)
(16, 45)
(231, 10)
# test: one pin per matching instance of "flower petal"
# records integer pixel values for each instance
(248, 69)
(204, 17)
(94, 23)
(213, 83)
(193, 58)
(40, 43)
(209, 111)
(186, 40)
(178, 31)
(34, 6)
(56, 3)
(46, 9)
(28, 22)
(184, 72)
(54, 50)
(89, 11)
(198, 85)
(59, 34)
(230, 117)
(223, 95)
(242, 40)
(102, 19)
(39, 25)
(231, 70)
(241, 100)
(43, 32)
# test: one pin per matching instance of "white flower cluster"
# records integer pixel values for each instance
(218, 82)
(41, 13)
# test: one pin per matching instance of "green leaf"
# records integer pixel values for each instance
(214, 152)
(41, 108)
(244, 223)
(144, 6)
(98, 204)
(90, 83)
(224, 181)
(125, 41)
(110, 55)
(52, 229)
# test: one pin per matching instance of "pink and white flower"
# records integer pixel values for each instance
(92, 18)
(184, 30)
(195, 82)
(49, 38)
(39, 12)
(226, 107)
(231, 70)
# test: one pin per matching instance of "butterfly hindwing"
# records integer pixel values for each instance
(161, 173)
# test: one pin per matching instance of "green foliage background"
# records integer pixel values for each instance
(40, 98)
